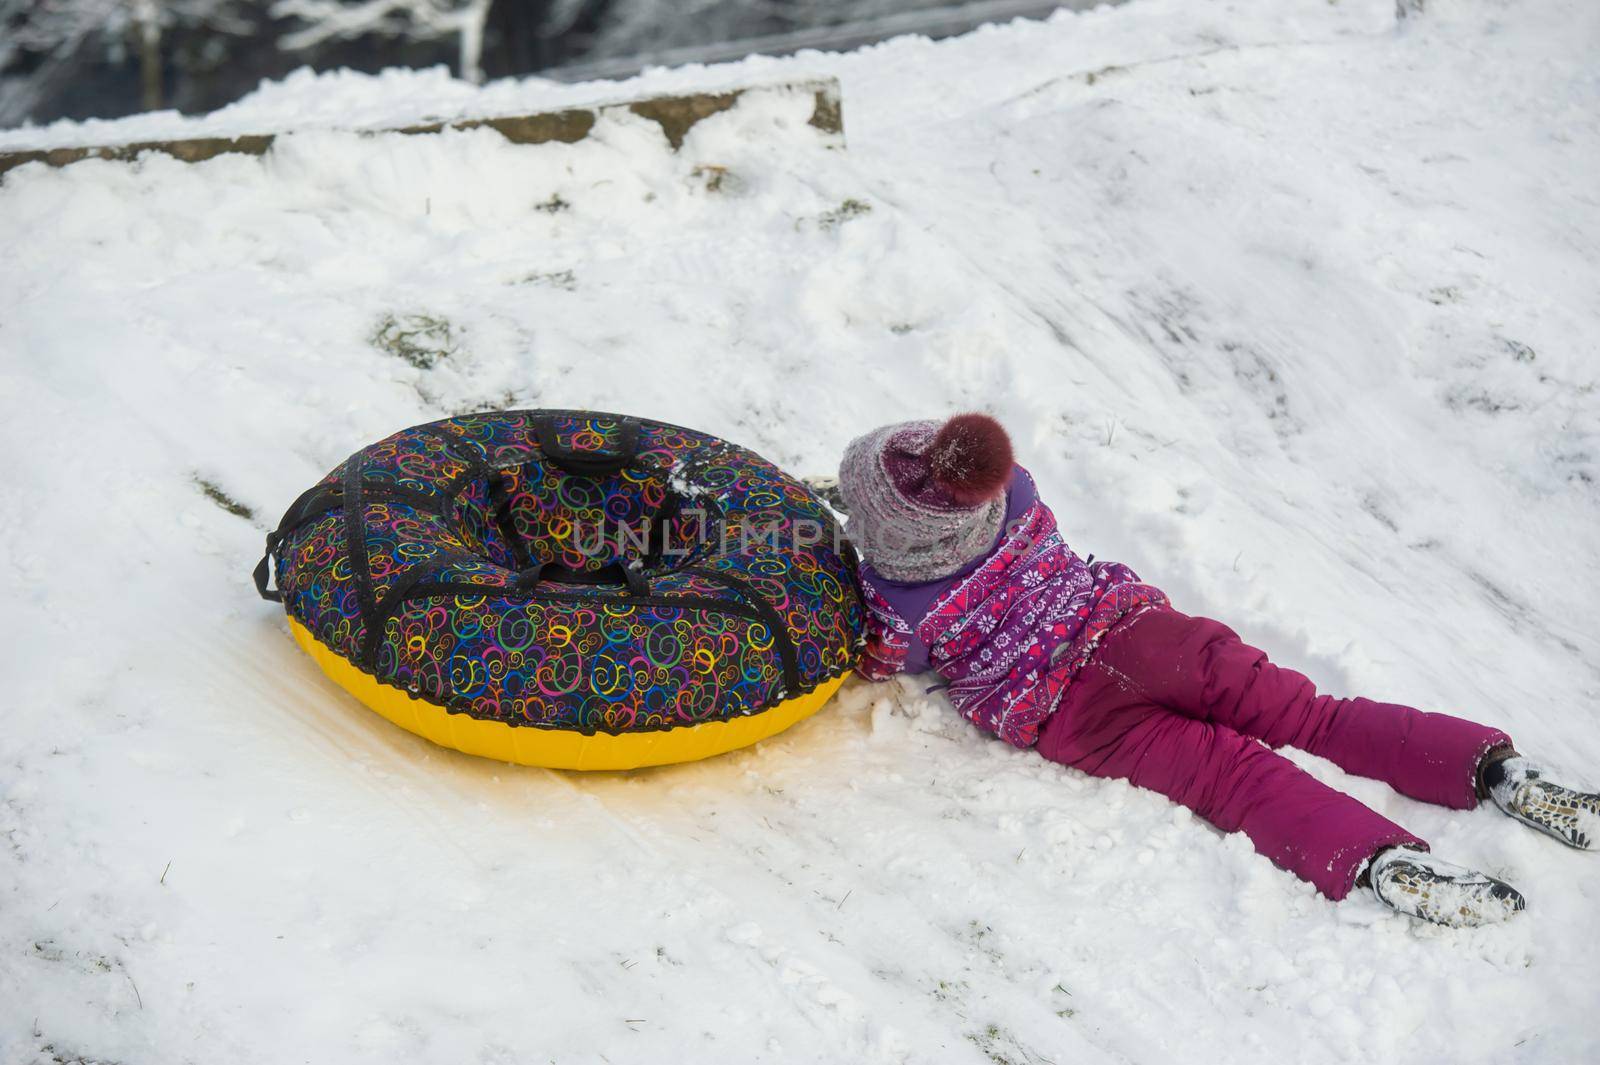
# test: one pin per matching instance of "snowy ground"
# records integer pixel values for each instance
(1290, 307)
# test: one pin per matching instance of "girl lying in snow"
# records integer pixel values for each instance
(966, 576)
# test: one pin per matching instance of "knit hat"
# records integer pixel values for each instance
(926, 499)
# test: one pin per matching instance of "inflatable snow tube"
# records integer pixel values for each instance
(569, 589)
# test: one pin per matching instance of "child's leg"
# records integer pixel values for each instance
(1108, 727)
(1201, 667)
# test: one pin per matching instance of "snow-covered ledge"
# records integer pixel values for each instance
(676, 115)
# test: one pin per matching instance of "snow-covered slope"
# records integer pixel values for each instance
(1289, 306)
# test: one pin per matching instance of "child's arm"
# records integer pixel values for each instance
(887, 639)
(882, 658)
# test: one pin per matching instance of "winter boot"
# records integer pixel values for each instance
(1524, 791)
(1419, 885)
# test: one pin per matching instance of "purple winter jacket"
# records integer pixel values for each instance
(1008, 632)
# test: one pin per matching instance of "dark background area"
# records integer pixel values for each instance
(108, 58)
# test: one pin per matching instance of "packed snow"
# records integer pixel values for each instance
(1290, 305)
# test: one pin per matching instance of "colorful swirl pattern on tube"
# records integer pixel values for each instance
(412, 560)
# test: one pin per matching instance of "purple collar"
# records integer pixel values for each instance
(912, 601)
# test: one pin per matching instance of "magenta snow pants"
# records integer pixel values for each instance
(1177, 704)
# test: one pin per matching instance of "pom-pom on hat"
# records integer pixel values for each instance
(927, 498)
(969, 460)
